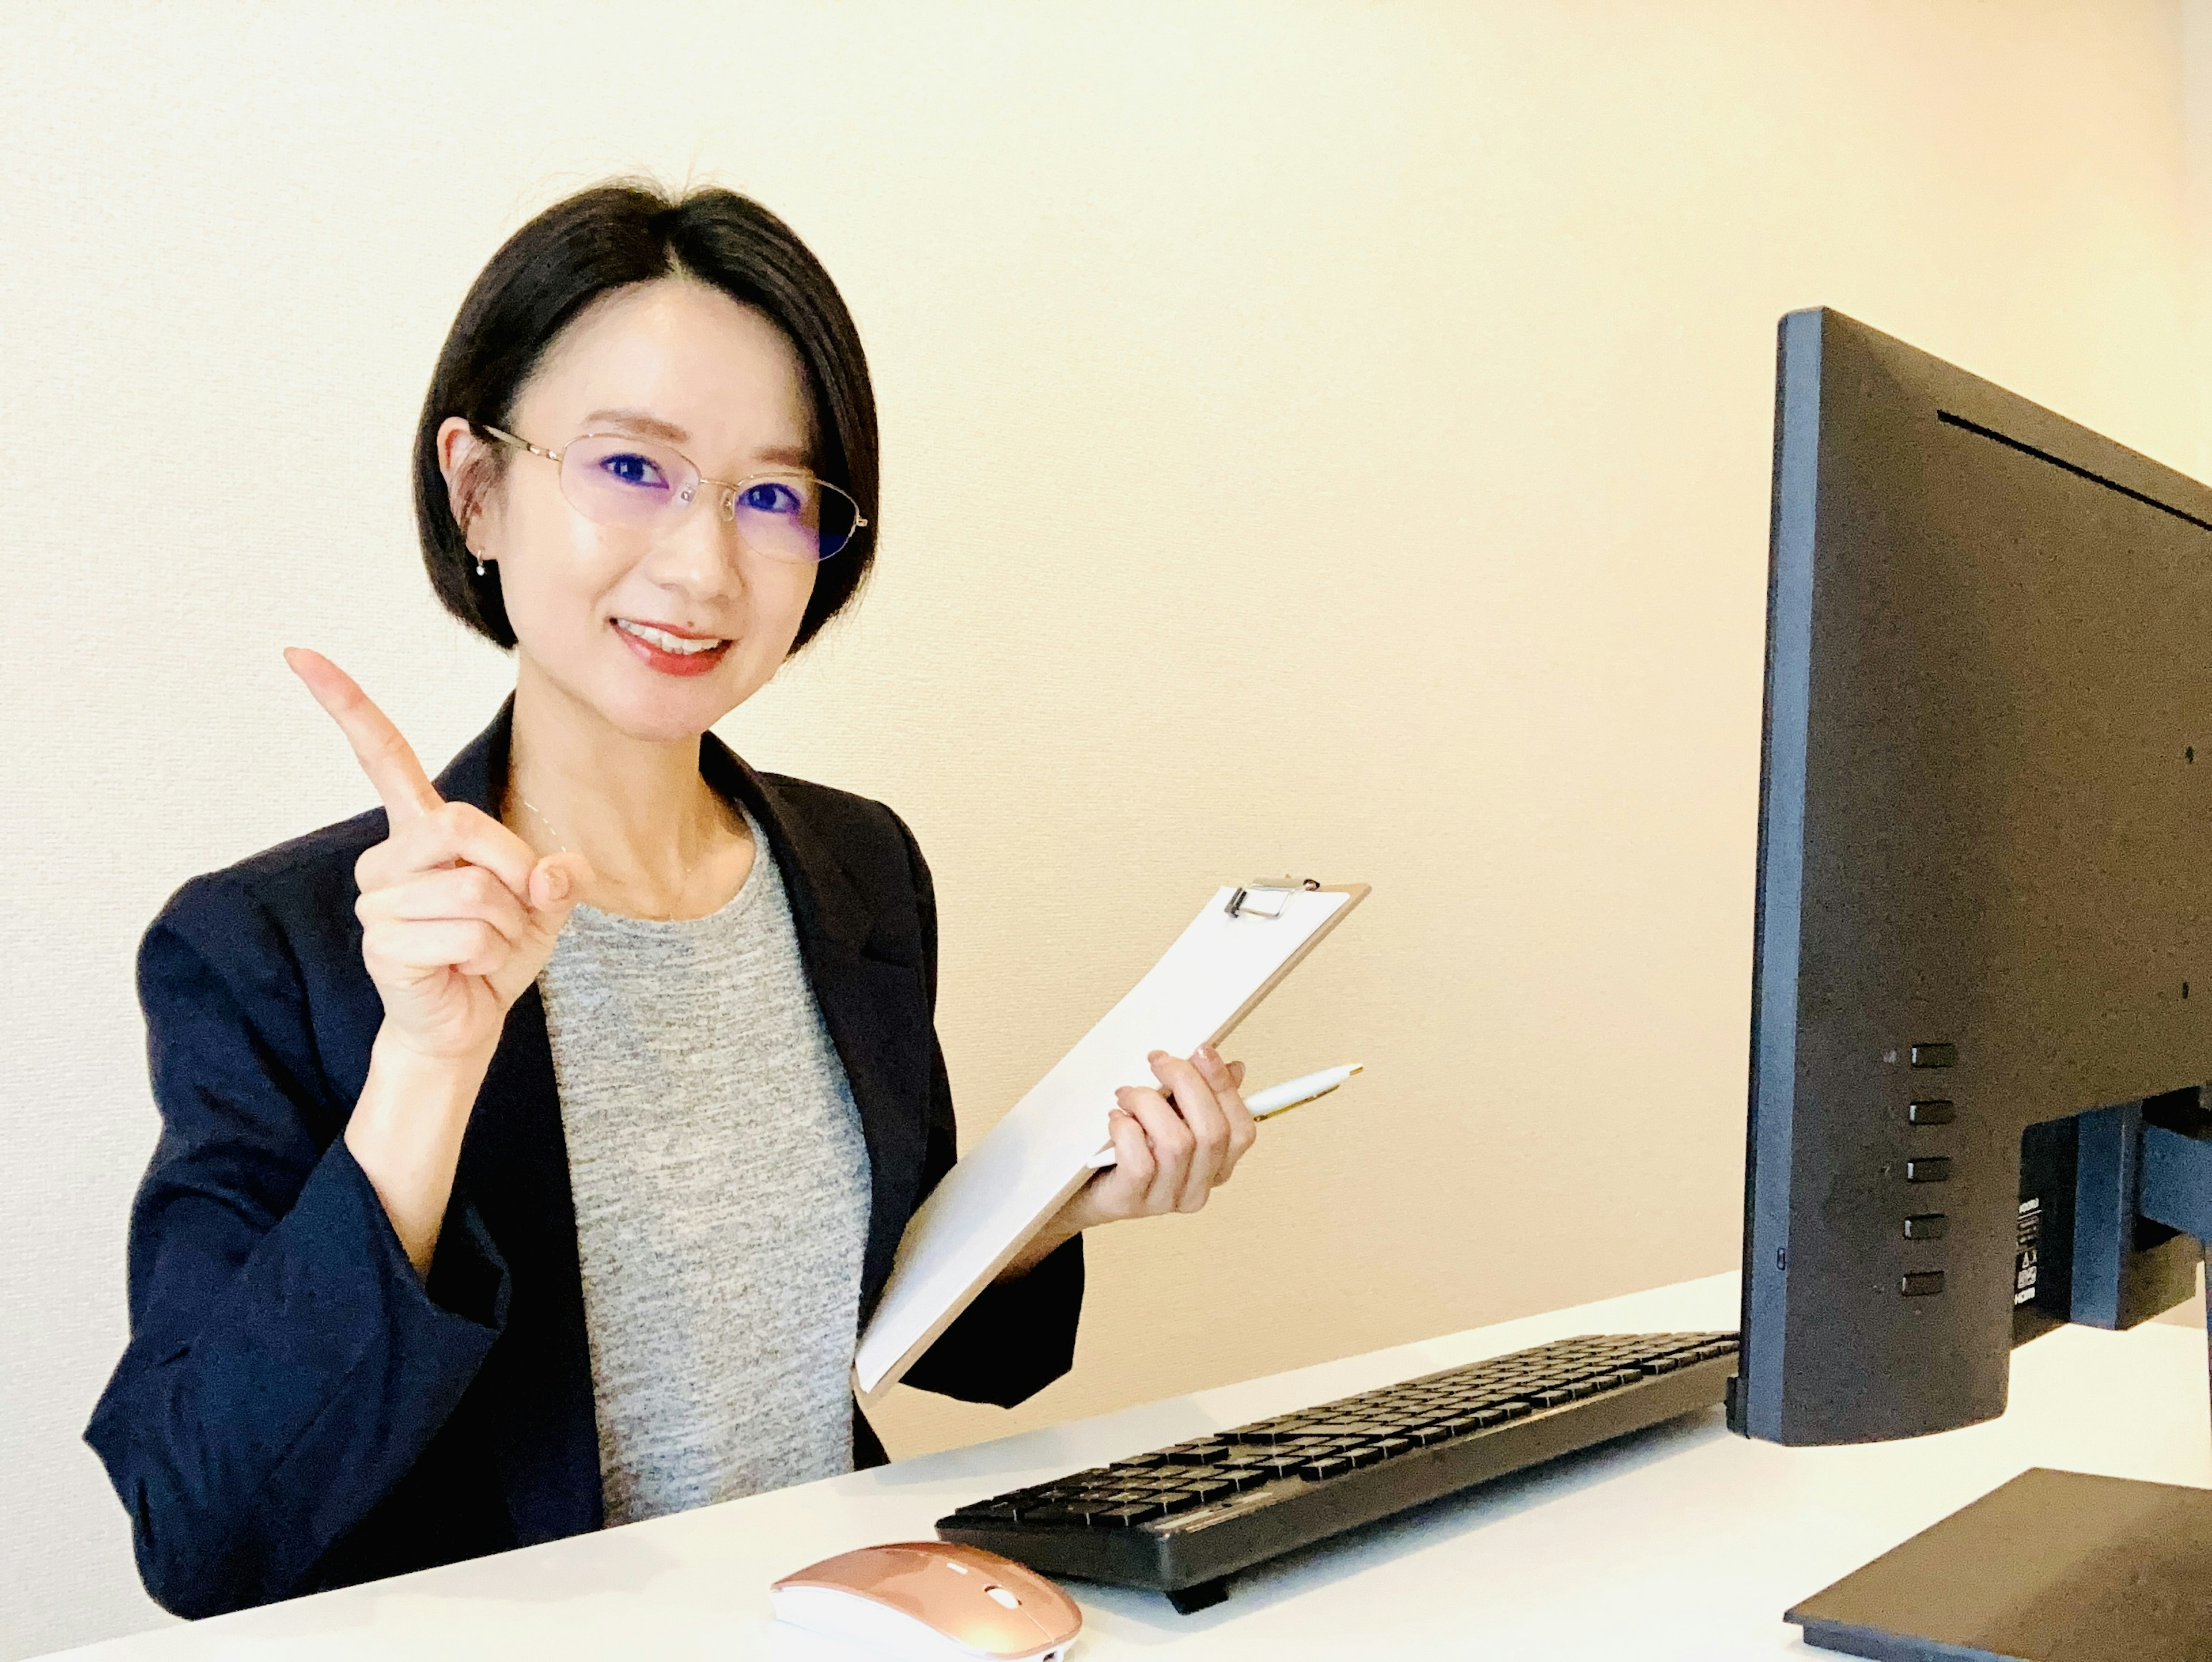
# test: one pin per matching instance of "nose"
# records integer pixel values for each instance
(699, 553)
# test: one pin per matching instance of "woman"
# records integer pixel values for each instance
(533, 1148)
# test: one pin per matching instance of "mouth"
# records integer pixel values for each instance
(669, 650)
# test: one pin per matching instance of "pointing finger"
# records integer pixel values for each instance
(385, 756)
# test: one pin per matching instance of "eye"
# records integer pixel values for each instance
(629, 467)
(771, 496)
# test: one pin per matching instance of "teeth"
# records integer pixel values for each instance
(664, 641)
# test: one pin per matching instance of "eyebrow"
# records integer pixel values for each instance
(645, 422)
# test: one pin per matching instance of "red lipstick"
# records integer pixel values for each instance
(669, 663)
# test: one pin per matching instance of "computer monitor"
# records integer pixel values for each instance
(1982, 991)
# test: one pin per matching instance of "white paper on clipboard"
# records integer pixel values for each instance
(987, 1206)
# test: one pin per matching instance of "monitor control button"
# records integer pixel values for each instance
(1930, 1226)
(1921, 1282)
(1934, 1168)
(1938, 1113)
(1934, 1056)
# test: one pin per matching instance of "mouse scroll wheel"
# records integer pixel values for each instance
(1002, 1597)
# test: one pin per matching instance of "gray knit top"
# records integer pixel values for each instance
(721, 1195)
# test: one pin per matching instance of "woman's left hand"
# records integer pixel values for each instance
(1174, 1144)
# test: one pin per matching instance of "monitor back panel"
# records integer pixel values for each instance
(1985, 860)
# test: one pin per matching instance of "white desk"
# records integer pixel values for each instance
(1684, 1542)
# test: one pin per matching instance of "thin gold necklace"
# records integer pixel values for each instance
(690, 871)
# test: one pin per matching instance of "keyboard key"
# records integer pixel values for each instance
(1053, 1513)
(1204, 1454)
(1127, 1517)
(1335, 1466)
(1390, 1447)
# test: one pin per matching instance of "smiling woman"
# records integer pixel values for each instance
(534, 1146)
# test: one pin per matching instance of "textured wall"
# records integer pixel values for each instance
(1325, 438)
(2197, 110)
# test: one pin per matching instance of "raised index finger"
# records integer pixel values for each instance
(385, 755)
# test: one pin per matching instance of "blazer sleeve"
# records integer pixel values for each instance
(286, 1365)
(1019, 1336)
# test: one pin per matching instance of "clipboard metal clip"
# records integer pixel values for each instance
(1266, 899)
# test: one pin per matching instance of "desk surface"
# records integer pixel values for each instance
(1686, 1542)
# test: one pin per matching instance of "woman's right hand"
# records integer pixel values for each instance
(458, 914)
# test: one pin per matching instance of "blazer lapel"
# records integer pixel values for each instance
(514, 1169)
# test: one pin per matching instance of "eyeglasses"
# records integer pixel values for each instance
(616, 480)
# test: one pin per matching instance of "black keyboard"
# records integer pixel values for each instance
(1181, 1519)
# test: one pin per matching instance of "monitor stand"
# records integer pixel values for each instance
(2054, 1565)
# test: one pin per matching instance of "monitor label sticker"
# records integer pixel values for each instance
(2024, 1253)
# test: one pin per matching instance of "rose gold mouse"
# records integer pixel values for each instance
(932, 1601)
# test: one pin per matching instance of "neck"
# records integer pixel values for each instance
(637, 808)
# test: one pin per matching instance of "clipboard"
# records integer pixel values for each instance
(1242, 942)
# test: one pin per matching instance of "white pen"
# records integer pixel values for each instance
(1264, 1104)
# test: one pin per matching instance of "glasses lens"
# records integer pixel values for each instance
(794, 516)
(622, 481)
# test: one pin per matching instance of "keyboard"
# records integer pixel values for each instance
(1181, 1520)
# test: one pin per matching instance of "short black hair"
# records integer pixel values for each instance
(623, 231)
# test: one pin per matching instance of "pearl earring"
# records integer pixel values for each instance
(480, 570)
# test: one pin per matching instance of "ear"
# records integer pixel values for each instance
(470, 468)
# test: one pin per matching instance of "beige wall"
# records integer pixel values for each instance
(2197, 62)
(1325, 438)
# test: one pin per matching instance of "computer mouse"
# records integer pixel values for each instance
(932, 1601)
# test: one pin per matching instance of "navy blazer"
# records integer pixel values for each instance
(297, 1409)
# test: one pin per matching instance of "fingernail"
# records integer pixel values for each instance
(557, 884)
